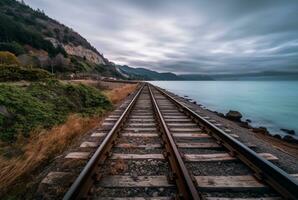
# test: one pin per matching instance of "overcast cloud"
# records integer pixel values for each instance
(189, 36)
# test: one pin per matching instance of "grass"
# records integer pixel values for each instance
(30, 153)
(116, 95)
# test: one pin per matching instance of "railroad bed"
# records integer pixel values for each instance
(157, 148)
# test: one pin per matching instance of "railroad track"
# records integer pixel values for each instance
(160, 149)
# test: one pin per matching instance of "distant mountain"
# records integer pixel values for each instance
(265, 75)
(145, 74)
(195, 77)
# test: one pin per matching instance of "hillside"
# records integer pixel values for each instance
(145, 74)
(42, 42)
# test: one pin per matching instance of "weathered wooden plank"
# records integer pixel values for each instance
(142, 124)
(137, 156)
(78, 155)
(239, 198)
(185, 129)
(97, 134)
(203, 145)
(130, 145)
(175, 117)
(141, 129)
(178, 120)
(135, 198)
(114, 116)
(170, 110)
(110, 119)
(141, 114)
(107, 124)
(226, 182)
(89, 144)
(141, 117)
(182, 124)
(220, 157)
(140, 135)
(139, 181)
(141, 120)
(191, 135)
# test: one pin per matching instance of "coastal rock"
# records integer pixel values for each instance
(277, 136)
(290, 138)
(261, 129)
(248, 120)
(220, 114)
(234, 115)
(245, 125)
(288, 131)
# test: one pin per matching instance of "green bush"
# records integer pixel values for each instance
(45, 104)
(17, 73)
(12, 47)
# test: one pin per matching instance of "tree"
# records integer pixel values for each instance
(8, 58)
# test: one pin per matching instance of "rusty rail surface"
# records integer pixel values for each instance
(263, 170)
(80, 188)
(181, 176)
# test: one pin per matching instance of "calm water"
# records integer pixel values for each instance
(273, 104)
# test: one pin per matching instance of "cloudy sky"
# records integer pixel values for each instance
(189, 36)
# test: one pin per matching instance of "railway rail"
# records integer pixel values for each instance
(158, 148)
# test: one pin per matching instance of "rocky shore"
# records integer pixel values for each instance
(236, 117)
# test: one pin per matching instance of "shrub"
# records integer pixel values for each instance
(12, 47)
(7, 58)
(17, 73)
(45, 104)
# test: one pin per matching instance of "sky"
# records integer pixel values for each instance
(186, 36)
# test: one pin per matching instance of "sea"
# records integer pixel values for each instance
(272, 104)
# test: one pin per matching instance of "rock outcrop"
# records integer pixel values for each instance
(288, 131)
(234, 115)
(84, 53)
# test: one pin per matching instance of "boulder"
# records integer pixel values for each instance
(245, 125)
(234, 115)
(289, 138)
(288, 131)
(248, 120)
(220, 114)
(261, 129)
(277, 136)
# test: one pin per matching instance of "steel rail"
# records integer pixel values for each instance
(80, 188)
(264, 170)
(184, 182)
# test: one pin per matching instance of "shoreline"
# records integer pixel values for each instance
(248, 124)
(286, 151)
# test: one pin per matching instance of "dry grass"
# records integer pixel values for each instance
(117, 94)
(41, 147)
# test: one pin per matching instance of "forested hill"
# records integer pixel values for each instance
(39, 41)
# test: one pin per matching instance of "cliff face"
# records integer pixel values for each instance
(84, 53)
